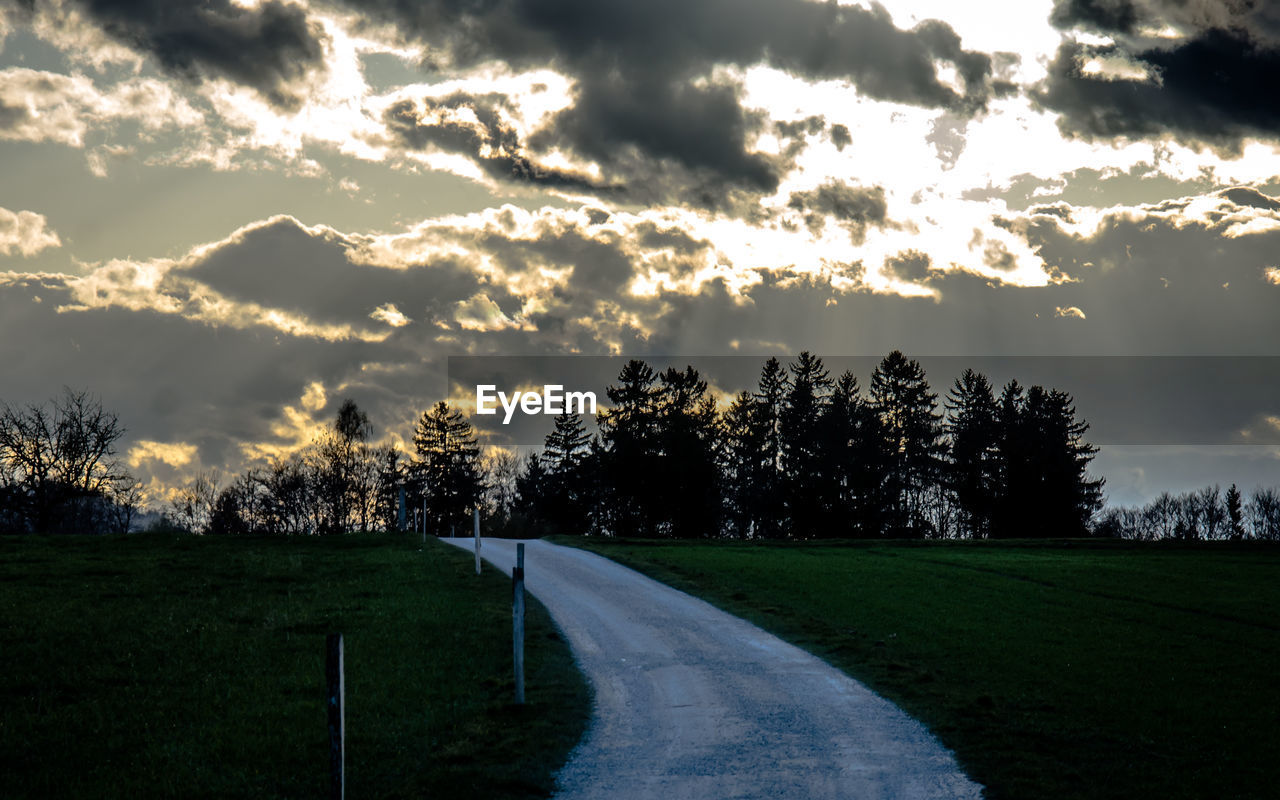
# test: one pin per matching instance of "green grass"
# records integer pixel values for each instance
(146, 666)
(1054, 670)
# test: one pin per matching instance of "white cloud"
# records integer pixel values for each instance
(25, 233)
(175, 454)
(388, 313)
(47, 106)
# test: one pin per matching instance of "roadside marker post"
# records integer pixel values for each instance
(337, 717)
(517, 621)
(475, 532)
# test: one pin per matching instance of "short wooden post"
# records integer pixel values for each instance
(337, 717)
(517, 621)
(475, 533)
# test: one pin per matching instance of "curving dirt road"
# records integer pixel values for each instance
(692, 703)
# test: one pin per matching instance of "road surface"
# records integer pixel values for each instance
(692, 703)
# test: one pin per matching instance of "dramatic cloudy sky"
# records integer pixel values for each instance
(225, 217)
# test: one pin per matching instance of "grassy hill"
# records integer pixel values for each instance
(145, 666)
(1054, 670)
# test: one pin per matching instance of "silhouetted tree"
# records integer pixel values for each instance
(566, 498)
(446, 471)
(739, 464)
(1264, 514)
(688, 486)
(853, 457)
(1235, 513)
(769, 513)
(193, 505)
(629, 452)
(1043, 458)
(911, 433)
(809, 483)
(58, 471)
(972, 471)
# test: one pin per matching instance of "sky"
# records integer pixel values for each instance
(226, 217)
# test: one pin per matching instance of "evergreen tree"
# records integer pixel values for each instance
(973, 429)
(688, 481)
(565, 492)
(629, 453)
(739, 464)
(1044, 460)
(911, 435)
(1235, 513)
(809, 487)
(1013, 467)
(851, 457)
(769, 509)
(446, 470)
(530, 490)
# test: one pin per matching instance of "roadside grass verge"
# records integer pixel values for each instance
(1053, 670)
(145, 666)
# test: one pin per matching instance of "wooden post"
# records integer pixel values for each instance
(517, 621)
(337, 717)
(475, 533)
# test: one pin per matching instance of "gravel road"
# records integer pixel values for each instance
(692, 703)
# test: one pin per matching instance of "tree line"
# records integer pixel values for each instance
(802, 455)
(343, 483)
(1208, 514)
(809, 455)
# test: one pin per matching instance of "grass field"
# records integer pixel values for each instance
(146, 666)
(1054, 670)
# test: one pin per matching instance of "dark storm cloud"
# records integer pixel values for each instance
(1248, 196)
(647, 108)
(1211, 83)
(270, 48)
(909, 265)
(170, 379)
(853, 207)
(281, 265)
(488, 140)
(1104, 15)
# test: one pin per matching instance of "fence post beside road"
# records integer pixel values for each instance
(337, 717)
(517, 621)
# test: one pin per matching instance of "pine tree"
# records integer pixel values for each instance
(565, 492)
(688, 486)
(769, 512)
(911, 434)
(809, 488)
(974, 432)
(1013, 466)
(1043, 466)
(629, 453)
(851, 457)
(447, 467)
(739, 466)
(1235, 513)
